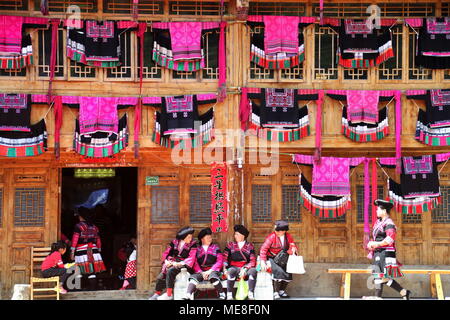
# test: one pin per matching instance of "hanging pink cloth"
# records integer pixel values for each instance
(318, 151)
(142, 27)
(244, 108)
(57, 110)
(398, 129)
(366, 202)
(222, 64)
(186, 40)
(363, 106)
(281, 34)
(374, 190)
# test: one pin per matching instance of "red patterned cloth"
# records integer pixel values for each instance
(219, 202)
(131, 269)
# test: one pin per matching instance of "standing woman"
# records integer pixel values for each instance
(240, 259)
(385, 267)
(180, 253)
(86, 247)
(277, 241)
(208, 265)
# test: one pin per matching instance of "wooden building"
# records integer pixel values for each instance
(32, 188)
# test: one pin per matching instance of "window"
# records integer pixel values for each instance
(291, 204)
(442, 213)
(200, 204)
(340, 219)
(29, 207)
(412, 218)
(86, 6)
(261, 203)
(165, 204)
(125, 6)
(15, 5)
(360, 200)
(196, 8)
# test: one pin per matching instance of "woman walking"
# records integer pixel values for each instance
(382, 249)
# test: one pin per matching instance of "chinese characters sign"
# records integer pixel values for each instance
(219, 204)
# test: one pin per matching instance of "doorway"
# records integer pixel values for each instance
(110, 194)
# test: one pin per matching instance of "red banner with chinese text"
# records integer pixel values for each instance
(219, 204)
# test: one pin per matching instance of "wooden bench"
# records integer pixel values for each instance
(38, 284)
(435, 280)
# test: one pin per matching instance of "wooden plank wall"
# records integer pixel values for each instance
(424, 243)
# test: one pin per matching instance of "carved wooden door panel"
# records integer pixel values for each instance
(272, 197)
(30, 218)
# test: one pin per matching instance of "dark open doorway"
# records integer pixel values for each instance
(113, 204)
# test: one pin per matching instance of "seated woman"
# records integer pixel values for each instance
(276, 242)
(53, 266)
(180, 253)
(208, 264)
(240, 259)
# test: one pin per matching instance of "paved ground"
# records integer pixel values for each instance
(133, 295)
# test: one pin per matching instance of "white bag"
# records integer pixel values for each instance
(295, 264)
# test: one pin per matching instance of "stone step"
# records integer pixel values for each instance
(105, 295)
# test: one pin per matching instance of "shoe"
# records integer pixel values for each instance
(283, 294)
(222, 296)
(188, 296)
(154, 297)
(165, 297)
(229, 296)
(406, 296)
(62, 290)
(251, 296)
(276, 296)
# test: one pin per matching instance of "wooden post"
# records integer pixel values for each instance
(342, 285)
(347, 286)
(440, 292)
(433, 285)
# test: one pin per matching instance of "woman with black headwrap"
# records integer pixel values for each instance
(279, 242)
(180, 253)
(382, 248)
(239, 259)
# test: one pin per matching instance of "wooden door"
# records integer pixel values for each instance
(30, 218)
(181, 198)
(437, 231)
(272, 197)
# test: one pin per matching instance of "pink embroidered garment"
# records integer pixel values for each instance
(331, 177)
(11, 31)
(96, 113)
(186, 40)
(281, 34)
(362, 106)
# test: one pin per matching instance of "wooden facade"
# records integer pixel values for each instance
(255, 199)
